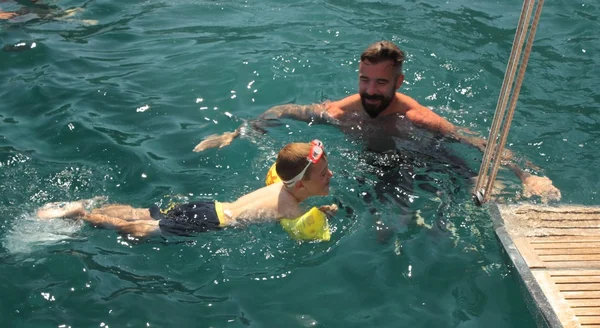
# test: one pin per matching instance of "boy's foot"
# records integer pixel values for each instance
(71, 12)
(61, 209)
(70, 209)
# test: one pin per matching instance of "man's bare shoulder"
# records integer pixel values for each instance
(407, 103)
(425, 117)
(338, 109)
(349, 103)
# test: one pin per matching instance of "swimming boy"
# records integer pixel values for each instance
(36, 10)
(303, 167)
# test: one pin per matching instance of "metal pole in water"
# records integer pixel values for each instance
(492, 157)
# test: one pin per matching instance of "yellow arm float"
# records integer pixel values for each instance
(312, 225)
(272, 176)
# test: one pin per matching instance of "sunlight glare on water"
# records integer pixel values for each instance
(115, 107)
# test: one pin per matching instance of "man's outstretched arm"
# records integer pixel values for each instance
(316, 113)
(532, 184)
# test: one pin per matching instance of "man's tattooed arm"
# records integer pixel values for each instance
(314, 113)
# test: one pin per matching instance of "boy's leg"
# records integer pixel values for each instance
(7, 14)
(61, 209)
(138, 228)
(124, 212)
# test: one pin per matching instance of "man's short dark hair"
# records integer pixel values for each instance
(382, 51)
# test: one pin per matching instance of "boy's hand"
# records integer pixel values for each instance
(330, 210)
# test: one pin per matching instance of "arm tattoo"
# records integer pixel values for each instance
(314, 113)
(307, 113)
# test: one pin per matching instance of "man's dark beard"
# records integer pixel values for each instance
(374, 111)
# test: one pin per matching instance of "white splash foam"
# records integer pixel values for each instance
(29, 233)
(142, 109)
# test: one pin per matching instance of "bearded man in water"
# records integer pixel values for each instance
(380, 106)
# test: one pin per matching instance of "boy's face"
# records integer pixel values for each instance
(320, 176)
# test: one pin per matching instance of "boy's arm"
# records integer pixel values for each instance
(330, 210)
(289, 208)
(316, 113)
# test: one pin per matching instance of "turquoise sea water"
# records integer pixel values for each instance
(73, 124)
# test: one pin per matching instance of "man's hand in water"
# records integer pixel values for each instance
(7, 15)
(330, 210)
(216, 140)
(540, 186)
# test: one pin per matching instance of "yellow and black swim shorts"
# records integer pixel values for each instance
(189, 218)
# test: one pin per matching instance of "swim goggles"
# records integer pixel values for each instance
(314, 155)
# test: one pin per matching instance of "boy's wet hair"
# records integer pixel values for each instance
(291, 160)
(382, 51)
